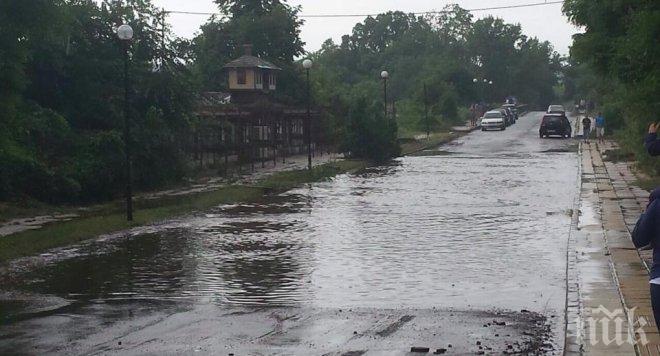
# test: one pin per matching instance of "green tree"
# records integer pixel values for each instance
(616, 60)
(64, 101)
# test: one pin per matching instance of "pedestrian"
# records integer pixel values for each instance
(647, 232)
(586, 128)
(651, 142)
(600, 127)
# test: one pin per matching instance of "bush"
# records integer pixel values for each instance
(368, 134)
(24, 176)
(98, 165)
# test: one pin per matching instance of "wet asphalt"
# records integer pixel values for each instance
(461, 248)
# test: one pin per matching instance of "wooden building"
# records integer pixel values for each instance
(246, 125)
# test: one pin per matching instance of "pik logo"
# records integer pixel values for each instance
(617, 327)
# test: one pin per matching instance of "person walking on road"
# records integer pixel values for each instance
(586, 128)
(600, 127)
(647, 232)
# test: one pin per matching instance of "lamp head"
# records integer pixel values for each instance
(384, 74)
(307, 64)
(125, 32)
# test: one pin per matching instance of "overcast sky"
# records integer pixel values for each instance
(545, 22)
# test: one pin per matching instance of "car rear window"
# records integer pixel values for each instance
(493, 115)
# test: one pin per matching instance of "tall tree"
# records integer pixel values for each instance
(619, 45)
(67, 99)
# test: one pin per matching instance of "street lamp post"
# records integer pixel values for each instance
(481, 90)
(479, 93)
(384, 74)
(307, 64)
(125, 34)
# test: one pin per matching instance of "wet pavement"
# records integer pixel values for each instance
(463, 245)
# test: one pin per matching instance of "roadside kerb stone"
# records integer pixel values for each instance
(620, 204)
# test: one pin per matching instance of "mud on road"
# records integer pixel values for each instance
(172, 328)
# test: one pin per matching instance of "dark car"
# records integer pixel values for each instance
(513, 108)
(508, 115)
(555, 124)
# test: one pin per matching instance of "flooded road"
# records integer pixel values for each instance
(444, 247)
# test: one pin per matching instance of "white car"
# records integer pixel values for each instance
(493, 120)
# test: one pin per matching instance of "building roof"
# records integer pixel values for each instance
(247, 61)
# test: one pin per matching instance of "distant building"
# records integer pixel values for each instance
(250, 77)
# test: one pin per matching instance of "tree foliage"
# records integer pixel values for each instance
(616, 62)
(444, 51)
(62, 99)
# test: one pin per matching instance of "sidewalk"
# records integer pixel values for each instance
(465, 128)
(606, 273)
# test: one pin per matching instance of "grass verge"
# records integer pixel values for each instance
(111, 220)
(411, 145)
(648, 183)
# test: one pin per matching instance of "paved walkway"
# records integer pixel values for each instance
(605, 269)
(200, 185)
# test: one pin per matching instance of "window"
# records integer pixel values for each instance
(241, 76)
(271, 80)
(257, 78)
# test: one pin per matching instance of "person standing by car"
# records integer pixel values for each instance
(600, 127)
(647, 232)
(586, 128)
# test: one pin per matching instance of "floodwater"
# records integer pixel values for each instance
(478, 225)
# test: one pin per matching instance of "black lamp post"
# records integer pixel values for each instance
(125, 34)
(384, 74)
(307, 64)
(476, 83)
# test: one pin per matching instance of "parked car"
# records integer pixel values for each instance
(494, 119)
(511, 118)
(513, 108)
(556, 109)
(555, 124)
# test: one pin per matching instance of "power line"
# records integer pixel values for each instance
(373, 15)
